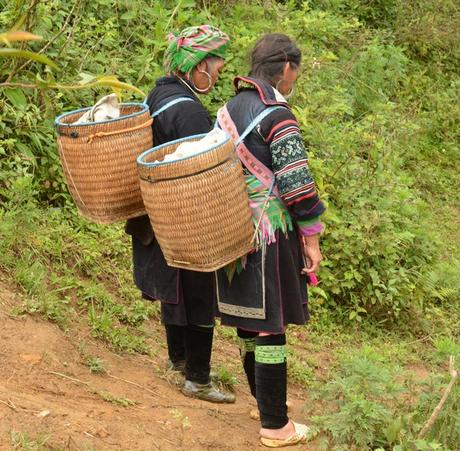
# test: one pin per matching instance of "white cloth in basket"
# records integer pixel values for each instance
(188, 149)
(105, 109)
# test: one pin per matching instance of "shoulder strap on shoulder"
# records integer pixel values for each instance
(257, 168)
(170, 104)
(257, 120)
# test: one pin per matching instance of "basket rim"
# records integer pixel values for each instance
(58, 123)
(152, 164)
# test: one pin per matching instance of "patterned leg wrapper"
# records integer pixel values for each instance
(247, 348)
(271, 380)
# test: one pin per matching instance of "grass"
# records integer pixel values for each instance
(370, 401)
(69, 269)
(95, 364)
(22, 441)
(109, 397)
(226, 377)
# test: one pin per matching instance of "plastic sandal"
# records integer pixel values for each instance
(298, 437)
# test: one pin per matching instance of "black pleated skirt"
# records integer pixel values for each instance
(187, 297)
(270, 292)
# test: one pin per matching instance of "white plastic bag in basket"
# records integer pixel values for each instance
(188, 149)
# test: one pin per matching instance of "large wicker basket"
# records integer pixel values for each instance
(99, 162)
(198, 206)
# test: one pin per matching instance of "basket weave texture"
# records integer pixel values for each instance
(198, 206)
(99, 162)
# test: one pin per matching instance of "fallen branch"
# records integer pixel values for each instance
(12, 406)
(453, 378)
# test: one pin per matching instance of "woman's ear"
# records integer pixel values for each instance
(286, 69)
(202, 66)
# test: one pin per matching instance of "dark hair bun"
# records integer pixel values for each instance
(271, 53)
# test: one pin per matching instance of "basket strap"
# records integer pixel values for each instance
(256, 167)
(117, 132)
(170, 104)
(256, 121)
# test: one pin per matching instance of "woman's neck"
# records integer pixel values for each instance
(186, 83)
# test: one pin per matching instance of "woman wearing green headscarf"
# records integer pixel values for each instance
(193, 61)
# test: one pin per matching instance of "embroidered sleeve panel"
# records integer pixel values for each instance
(290, 165)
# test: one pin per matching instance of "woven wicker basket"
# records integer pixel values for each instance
(198, 206)
(99, 162)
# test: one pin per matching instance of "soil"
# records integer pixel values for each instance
(47, 390)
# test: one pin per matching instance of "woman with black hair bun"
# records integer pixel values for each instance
(263, 294)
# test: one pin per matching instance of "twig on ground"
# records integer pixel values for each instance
(437, 410)
(9, 404)
(12, 406)
(131, 383)
(68, 377)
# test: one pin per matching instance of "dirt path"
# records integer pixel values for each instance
(47, 390)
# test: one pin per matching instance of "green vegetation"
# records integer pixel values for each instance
(69, 268)
(109, 397)
(25, 443)
(375, 403)
(377, 102)
(94, 363)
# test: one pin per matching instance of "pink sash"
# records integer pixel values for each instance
(258, 169)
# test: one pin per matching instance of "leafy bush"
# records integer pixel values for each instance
(369, 404)
(362, 392)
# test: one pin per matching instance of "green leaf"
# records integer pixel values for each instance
(36, 140)
(16, 97)
(129, 15)
(25, 150)
(393, 430)
(114, 83)
(15, 53)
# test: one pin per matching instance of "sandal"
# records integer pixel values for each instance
(299, 436)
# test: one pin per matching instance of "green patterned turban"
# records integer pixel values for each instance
(192, 45)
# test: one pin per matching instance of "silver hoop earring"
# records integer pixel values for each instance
(289, 94)
(209, 82)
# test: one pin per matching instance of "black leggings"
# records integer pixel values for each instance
(264, 362)
(194, 345)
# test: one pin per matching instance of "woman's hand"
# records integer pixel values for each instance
(311, 253)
